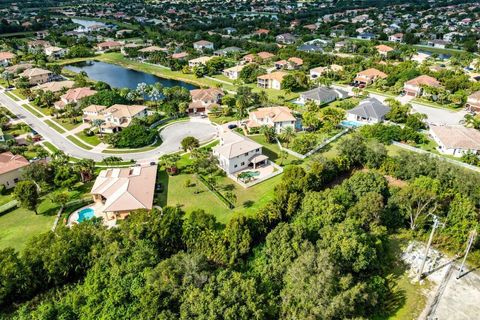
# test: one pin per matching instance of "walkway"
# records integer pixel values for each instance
(171, 136)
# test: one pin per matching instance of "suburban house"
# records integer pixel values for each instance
(262, 56)
(473, 102)
(420, 57)
(261, 32)
(109, 45)
(319, 71)
(438, 43)
(11, 168)
(37, 45)
(368, 111)
(114, 118)
(233, 72)
(236, 152)
(415, 86)
(204, 99)
(322, 95)
(397, 37)
(383, 50)
(367, 36)
(277, 117)
(286, 38)
(55, 52)
(36, 75)
(271, 80)
(226, 51)
(199, 61)
(6, 58)
(292, 63)
(152, 49)
(203, 45)
(19, 68)
(456, 140)
(54, 86)
(368, 76)
(179, 55)
(119, 191)
(73, 96)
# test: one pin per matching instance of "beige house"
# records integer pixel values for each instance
(414, 87)
(473, 102)
(369, 76)
(204, 99)
(73, 96)
(6, 58)
(109, 45)
(271, 80)
(261, 56)
(276, 117)
(36, 75)
(383, 50)
(115, 118)
(198, 61)
(54, 86)
(233, 72)
(11, 168)
(456, 140)
(118, 192)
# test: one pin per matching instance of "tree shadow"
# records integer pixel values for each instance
(228, 187)
(248, 204)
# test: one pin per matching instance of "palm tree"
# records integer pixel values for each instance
(287, 135)
(269, 133)
(472, 121)
(7, 76)
(85, 167)
(97, 123)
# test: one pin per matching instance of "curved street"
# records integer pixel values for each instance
(172, 135)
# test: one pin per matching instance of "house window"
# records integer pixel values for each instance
(257, 150)
(235, 166)
(242, 164)
(246, 154)
(15, 180)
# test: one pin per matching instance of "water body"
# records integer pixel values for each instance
(85, 24)
(120, 77)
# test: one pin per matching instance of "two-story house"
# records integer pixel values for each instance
(473, 102)
(415, 86)
(368, 76)
(6, 58)
(204, 99)
(277, 117)
(203, 45)
(36, 76)
(271, 80)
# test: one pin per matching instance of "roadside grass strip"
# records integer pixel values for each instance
(32, 110)
(80, 144)
(55, 126)
(11, 96)
(50, 147)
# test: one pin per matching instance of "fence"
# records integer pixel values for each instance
(216, 193)
(455, 162)
(314, 150)
(278, 171)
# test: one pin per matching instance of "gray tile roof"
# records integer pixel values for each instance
(370, 109)
(324, 94)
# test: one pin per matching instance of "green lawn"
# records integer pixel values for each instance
(50, 146)
(273, 152)
(67, 123)
(221, 119)
(32, 110)
(54, 126)
(93, 140)
(79, 143)
(20, 225)
(12, 96)
(18, 93)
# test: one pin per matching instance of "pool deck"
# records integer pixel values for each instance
(97, 210)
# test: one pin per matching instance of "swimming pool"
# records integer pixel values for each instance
(85, 214)
(351, 124)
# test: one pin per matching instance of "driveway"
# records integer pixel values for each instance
(172, 135)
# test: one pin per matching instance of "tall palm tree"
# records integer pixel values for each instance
(97, 123)
(287, 135)
(7, 76)
(85, 168)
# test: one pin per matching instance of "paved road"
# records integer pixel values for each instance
(171, 136)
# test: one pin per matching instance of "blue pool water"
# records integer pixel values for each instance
(351, 124)
(85, 214)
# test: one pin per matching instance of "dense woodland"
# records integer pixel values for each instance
(320, 249)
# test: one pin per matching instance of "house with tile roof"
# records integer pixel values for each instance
(271, 80)
(414, 87)
(369, 76)
(203, 45)
(204, 99)
(383, 50)
(262, 56)
(119, 191)
(200, 61)
(233, 73)
(11, 167)
(236, 152)
(6, 58)
(36, 76)
(54, 86)
(473, 102)
(369, 111)
(278, 118)
(73, 96)
(456, 140)
(322, 95)
(114, 118)
(109, 45)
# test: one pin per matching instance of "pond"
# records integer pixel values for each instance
(120, 77)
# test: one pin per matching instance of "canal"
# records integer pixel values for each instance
(120, 77)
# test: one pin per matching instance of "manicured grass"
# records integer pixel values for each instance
(20, 225)
(54, 126)
(93, 140)
(44, 111)
(79, 143)
(18, 93)
(11, 96)
(32, 110)
(273, 152)
(50, 146)
(197, 196)
(67, 124)
(221, 119)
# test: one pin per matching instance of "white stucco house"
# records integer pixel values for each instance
(276, 117)
(236, 153)
(456, 140)
(369, 111)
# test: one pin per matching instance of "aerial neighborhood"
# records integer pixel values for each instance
(240, 159)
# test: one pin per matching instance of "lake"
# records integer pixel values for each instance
(120, 77)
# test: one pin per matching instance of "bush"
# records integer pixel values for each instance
(135, 136)
(304, 142)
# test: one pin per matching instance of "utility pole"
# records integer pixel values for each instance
(473, 235)
(436, 223)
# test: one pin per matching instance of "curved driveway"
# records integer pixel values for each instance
(171, 135)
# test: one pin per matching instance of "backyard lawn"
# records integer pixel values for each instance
(20, 225)
(273, 152)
